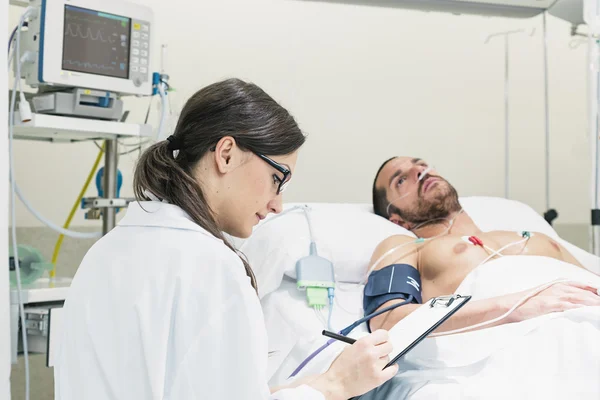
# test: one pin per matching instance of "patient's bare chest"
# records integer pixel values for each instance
(446, 261)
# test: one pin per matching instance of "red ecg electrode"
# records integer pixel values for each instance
(476, 241)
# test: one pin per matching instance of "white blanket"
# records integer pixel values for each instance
(555, 356)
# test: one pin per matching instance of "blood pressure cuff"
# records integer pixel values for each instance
(396, 281)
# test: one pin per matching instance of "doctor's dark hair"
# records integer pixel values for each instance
(228, 108)
(380, 201)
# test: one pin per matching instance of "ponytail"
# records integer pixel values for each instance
(170, 179)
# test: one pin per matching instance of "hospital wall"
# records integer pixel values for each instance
(364, 84)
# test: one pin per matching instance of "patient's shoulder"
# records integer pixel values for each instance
(394, 249)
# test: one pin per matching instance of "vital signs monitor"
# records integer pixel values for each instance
(104, 45)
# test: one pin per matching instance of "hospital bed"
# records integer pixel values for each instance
(347, 234)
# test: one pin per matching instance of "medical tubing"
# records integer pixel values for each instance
(13, 212)
(419, 179)
(450, 224)
(310, 357)
(306, 210)
(12, 36)
(351, 327)
(53, 226)
(416, 241)
(10, 57)
(387, 253)
(163, 59)
(330, 295)
(387, 209)
(346, 331)
(317, 311)
(323, 317)
(424, 174)
(498, 252)
(339, 286)
(60, 239)
(164, 110)
(313, 249)
(523, 299)
(488, 248)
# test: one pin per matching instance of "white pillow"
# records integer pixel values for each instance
(345, 234)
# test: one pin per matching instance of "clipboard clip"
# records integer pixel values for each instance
(444, 301)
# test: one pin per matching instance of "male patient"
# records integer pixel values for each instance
(408, 193)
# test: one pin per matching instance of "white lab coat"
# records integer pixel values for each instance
(161, 309)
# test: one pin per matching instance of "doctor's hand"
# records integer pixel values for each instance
(358, 369)
(556, 298)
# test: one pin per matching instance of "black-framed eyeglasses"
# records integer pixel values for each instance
(287, 174)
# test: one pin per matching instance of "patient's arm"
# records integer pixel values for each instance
(556, 298)
(472, 313)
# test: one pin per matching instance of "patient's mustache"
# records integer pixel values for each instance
(429, 176)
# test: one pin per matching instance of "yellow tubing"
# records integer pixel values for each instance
(74, 209)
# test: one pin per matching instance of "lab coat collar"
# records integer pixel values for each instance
(160, 214)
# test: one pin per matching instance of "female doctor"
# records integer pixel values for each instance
(162, 307)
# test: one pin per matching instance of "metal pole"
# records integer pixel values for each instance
(551, 214)
(546, 113)
(594, 111)
(595, 136)
(506, 119)
(110, 184)
(506, 35)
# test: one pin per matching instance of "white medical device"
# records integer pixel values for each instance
(92, 44)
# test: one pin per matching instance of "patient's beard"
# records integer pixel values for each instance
(433, 210)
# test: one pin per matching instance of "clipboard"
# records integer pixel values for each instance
(419, 324)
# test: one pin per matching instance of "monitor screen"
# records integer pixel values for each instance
(96, 42)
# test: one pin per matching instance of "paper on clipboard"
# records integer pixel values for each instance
(417, 325)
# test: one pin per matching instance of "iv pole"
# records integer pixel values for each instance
(592, 19)
(506, 35)
(551, 214)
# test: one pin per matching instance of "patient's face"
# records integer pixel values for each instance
(415, 201)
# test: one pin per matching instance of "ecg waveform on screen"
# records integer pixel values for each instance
(74, 30)
(90, 65)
